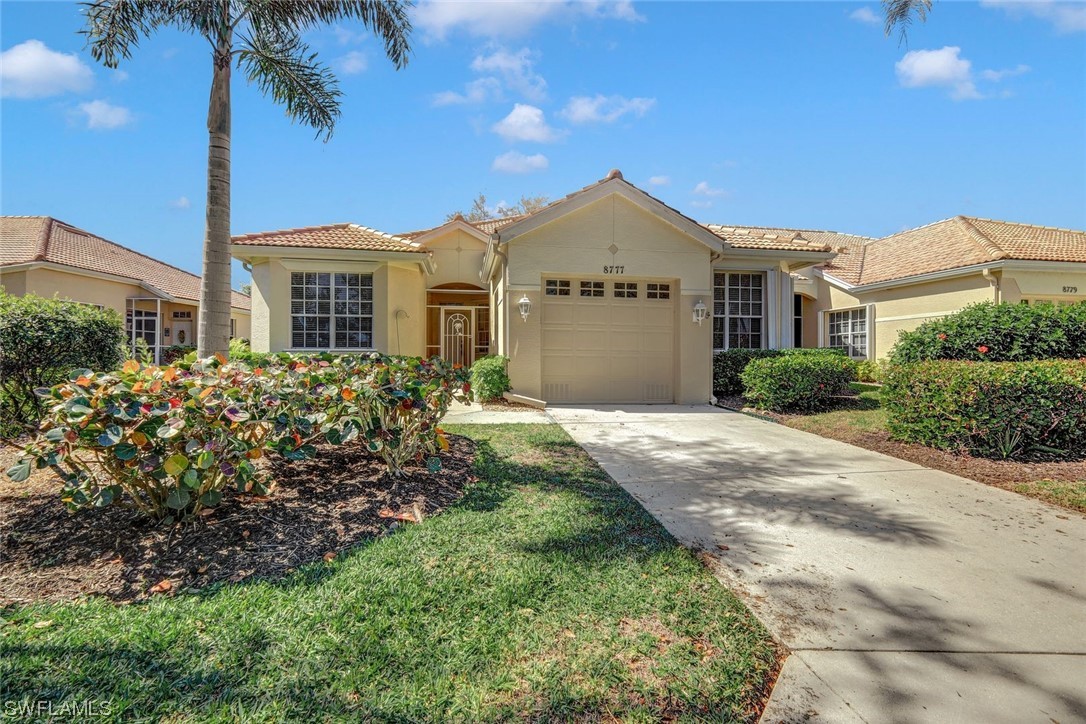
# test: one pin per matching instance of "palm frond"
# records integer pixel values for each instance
(388, 19)
(283, 66)
(900, 13)
(114, 27)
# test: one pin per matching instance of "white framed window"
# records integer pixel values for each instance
(556, 287)
(144, 323)
(626, 290)
(233, 328)
(738, 310)
(591, 289)
(847, 329)
(655, 290)
(797, 320)
(331, 310)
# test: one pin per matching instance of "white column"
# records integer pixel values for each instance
(773, 312)
(158, 329)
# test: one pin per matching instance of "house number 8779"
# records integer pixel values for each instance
(614, 270)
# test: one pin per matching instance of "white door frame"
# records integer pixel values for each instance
(458, 348)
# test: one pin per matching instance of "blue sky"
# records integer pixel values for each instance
(772, 113)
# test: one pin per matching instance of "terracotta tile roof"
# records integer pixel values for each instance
(762, 237)
(331, 236)
(959, 242)
(25, 239)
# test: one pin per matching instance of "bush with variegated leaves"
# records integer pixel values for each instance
(168, 440)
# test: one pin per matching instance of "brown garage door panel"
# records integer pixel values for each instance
(608, 349)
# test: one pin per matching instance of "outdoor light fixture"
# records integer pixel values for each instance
(700, 310)
(525, 307)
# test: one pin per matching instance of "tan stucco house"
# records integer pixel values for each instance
(41, 255)
(610, 295)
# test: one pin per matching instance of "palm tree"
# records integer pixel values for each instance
(264, 38)
(899, 13)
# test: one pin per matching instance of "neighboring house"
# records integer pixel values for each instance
(41, 255)
(610, 295)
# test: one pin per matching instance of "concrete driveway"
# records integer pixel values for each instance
(905, 594)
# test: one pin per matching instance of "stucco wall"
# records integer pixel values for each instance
(395, 287)
(14, 283)
(1019, 284)
(457, 256)
(79, 288)
(577, 245)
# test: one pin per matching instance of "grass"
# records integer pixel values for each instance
(547, 593)
(1065, 493)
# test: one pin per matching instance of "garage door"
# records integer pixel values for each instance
(608, 340)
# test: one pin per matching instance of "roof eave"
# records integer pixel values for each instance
(248, 252)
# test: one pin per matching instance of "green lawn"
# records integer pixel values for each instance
(547, 593)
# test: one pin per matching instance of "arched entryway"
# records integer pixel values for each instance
(457, 322)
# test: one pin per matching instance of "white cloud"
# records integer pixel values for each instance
(526, 123)
(479, 90)
(103, 116)
(347, 36)
(516, 70)
(170, 53)
(120, 76)
(659, 180)
(943, 68)
(704, 189)
(31, 70)
(352, 63)
(516, 162)
(182, 202)
(701, 204)
(865, 15)
(511, 19)
(997, 75)
(1066, 17)
(604, 109)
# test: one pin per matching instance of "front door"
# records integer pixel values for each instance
(182, 333)
(458, 335)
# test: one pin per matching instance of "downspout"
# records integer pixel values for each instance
(994, 281)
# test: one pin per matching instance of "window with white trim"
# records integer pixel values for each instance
(797, 320)
(331, 310)
(738, 310)
(654, 290)
(626, 290)
(145, 323)
(847, 330)
(591, 289)
(556, 287)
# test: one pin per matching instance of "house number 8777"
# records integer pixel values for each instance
(614, 269)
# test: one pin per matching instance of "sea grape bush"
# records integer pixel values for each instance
(167, 440)
(163, 440)
(797, 382)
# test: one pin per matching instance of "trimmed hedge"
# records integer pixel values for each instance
(729, 364)
(797, 382)
(489, 378)
(998, 333)
(1004, 410)
(42, 340)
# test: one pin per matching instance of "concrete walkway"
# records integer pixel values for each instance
(905, 594)
(474, 414)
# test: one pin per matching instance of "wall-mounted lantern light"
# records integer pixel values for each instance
(525, 305)
(700, 312)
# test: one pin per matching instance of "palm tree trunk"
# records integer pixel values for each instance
(214, 331)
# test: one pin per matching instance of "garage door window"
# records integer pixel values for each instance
(738, 310)
(591, 289)
(626, 290)
(556, 287)
(658, 291)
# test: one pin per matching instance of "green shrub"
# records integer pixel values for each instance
(43, 340)
(489, 378)
(169, 355)
(1006, 410)
(869, 371)
(239, 347)
(998, 333)
(729, 364)
(797, 382)
(167, 440)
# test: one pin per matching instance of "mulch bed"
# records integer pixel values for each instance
(319, 507)
(1000, 473)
